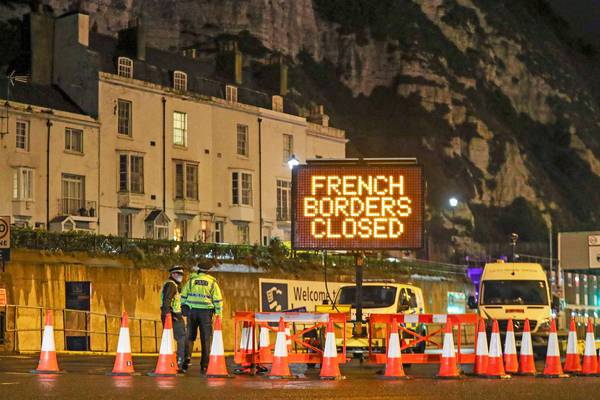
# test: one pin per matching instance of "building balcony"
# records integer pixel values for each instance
(186, 206)
(23, 207)
(79, 209)
(241, 213)
(131, 200)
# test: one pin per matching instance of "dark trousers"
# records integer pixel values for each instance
(179, 334)
(200, 319)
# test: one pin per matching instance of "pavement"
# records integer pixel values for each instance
(85, 378)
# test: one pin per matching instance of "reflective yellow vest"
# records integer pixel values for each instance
(176, 301)
(202, 291)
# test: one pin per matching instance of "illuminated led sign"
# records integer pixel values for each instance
(366, 206)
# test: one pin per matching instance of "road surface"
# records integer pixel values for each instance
(85, 378)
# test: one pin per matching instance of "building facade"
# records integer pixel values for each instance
(178, 155)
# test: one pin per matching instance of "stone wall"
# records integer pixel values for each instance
(36, 280)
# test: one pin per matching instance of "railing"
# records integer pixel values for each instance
(100, 330)
(77, 207)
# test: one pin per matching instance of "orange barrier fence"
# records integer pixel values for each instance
(380, 328)
(305, 329)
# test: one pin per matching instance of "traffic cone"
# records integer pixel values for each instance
(572, 362)
(481, 350)
(123, 361)
(330, 368)
(590, 362)
(526, 359)
(393, 365)
(448, 366)
(280, 367)
(217, 368)
(48, 363)
(264, 343)
(495, 368)
(245, 340)
(288, 335)
(553, 369)
(167, 361)
(511, 361)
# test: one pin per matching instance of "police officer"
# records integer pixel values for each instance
(201, 299)
(171, 303)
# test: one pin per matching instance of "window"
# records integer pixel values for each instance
(73, 195)
(124, 225)
(242, 140)
(179, 80)
(74, 140)
(179, 128)
(186, 180)
(284, 195)
(204, 234)
(125, 67)
(125, 116)
(243, 231)
(231, 93)
(241, 188)
(22, 135)
(131, 173)
(180, 231)
(23, 184)
(288, 147)
(219, 232)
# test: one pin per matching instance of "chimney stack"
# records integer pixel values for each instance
(318, 116)
(230, 60)
(41, 46)
(133, 39)
(283, 77)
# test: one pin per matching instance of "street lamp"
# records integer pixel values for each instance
(293, 162)
(453, 202)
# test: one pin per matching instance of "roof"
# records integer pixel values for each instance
(45, 96)
(156, 215)
(159, 65)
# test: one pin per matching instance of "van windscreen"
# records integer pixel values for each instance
(372, 296)
(514, 292)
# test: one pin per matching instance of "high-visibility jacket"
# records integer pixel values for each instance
(175, 300)
(202, 291)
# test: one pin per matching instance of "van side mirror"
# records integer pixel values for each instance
(471, 302)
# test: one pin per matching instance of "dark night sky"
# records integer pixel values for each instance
(583, 17)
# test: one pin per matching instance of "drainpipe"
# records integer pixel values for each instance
(99, 187)
(48, 126)
(260, 211)
(164, 160)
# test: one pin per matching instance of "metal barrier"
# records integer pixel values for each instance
(412, 338)
(109, 332)
(303, 350)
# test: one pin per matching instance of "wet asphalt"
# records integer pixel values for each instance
(85, 378)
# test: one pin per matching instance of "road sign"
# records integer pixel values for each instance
(4, 239)
(357, 205)
(579, 251)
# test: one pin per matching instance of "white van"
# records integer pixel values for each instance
(517, 291)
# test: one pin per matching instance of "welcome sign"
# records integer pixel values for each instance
(366, 205)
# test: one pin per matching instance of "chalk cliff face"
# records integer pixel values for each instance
(496, 98)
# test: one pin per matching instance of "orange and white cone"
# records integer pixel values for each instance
(448, 366)
(511, 360)
(330, 368)
(48, 363)
(288, 335)
(280, 368)
(217, 367)
(495, 367)
(393, 365)
(167, 361)
(553, 368)
(526, 359)
(123, 361)
(481, 350)
(245, 346)
(264, 344)
(590, 360)
(572, 361)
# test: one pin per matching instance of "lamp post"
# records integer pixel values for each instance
(453, 201)
(293, 162)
